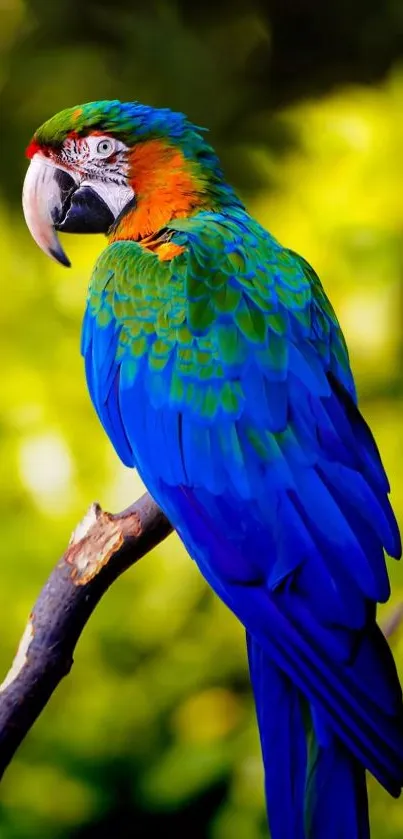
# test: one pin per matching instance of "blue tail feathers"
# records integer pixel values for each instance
(284, 748)
(315, 787)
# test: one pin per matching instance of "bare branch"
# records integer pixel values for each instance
(100, 549)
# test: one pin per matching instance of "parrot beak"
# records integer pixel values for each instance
(54, 200)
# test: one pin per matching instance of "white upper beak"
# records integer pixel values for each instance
(42, 202)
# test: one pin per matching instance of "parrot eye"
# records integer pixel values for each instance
(105, 147)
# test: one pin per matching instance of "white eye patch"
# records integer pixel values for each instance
(88, 160)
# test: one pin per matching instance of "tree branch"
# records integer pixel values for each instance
(100, 549)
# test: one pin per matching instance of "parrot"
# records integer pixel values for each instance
(218, 370)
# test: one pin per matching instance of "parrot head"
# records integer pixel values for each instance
(123, 169)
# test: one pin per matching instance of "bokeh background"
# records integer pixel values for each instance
(154, 729)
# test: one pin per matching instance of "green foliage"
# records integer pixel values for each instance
(154, 729)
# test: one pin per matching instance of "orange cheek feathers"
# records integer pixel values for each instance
(164, 189)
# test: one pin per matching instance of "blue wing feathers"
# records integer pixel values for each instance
(298, 646)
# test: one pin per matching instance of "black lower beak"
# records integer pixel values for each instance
(82, 209)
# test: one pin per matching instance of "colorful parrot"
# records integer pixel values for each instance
(218, 370)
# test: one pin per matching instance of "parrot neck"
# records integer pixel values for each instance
(168, 185)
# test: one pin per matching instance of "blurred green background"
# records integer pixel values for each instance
(154, 729)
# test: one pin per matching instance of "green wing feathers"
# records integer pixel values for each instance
(233, 292)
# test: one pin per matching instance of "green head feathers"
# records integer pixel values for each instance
(130, 121)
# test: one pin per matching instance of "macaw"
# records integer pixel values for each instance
(218, 370)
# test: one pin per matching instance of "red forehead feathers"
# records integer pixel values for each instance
(32, 149)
